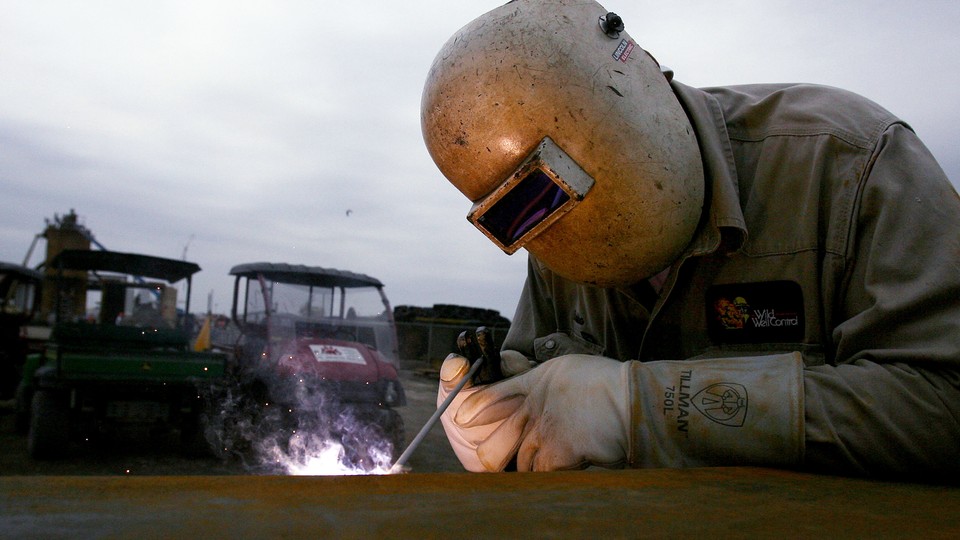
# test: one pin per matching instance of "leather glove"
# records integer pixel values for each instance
(718, 411)
(567, 413)
(475, 344)
(580, 410)
(514, 363)
(462, 440)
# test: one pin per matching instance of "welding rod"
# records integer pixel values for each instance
(402, 460)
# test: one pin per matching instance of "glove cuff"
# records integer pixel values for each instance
(726, 411)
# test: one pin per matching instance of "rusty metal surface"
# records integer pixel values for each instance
(719, 502)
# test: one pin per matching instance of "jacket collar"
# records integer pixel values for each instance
(722, 226)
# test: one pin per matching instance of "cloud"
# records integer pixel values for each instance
(243, 131)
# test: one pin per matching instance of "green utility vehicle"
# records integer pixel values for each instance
(19, 300)
(119, 359)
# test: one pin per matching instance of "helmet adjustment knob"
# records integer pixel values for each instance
(611, 24)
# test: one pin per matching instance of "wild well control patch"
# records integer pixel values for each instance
(762, 312)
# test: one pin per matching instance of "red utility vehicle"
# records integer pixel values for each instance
(320, 346)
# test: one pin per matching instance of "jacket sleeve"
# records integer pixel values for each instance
(536, 314)
(887, 403)
(890, 402)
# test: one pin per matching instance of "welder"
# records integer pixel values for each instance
(758, 275)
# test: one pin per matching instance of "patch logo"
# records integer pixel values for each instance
(763, 312)
(724, 403)
(732, 314)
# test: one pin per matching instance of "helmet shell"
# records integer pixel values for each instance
(532, 69)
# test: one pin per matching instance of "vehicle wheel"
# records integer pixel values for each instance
(394, 430)
(193, 436)
(237, 421)
(49, 425)
(375, 439)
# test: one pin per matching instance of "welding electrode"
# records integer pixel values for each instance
(402, 460)
(477, 345)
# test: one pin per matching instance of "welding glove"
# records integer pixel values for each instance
(462, 440)
(454, 368)
(514, 363)
(579, 410)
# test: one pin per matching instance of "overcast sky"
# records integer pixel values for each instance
(288, 131)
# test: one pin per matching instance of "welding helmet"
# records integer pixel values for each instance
(567, 138)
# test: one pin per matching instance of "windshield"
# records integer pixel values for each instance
(358, 314)
(17, 297)
(122, 303)
(313, 303)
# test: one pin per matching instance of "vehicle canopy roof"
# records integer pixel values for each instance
(169, 270)
(299, 274)
(11, 269)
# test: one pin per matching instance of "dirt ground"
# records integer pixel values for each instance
(151, 456)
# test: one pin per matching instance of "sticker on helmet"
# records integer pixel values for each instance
(623, 50)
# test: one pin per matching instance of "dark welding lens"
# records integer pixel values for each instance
(531, 201)
(548, 184)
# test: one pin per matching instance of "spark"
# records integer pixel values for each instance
(309, 455)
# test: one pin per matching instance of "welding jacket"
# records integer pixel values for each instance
(829, 230)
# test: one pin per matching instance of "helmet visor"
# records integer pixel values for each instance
(547, 185)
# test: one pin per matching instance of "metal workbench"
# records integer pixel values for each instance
(696, 503)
